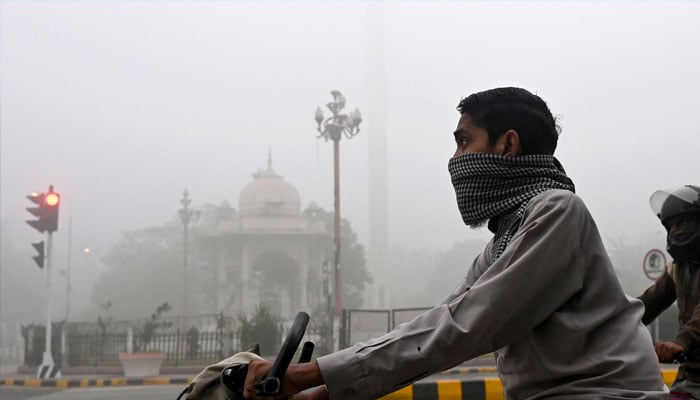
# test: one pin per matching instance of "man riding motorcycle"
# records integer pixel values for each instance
(679, 212)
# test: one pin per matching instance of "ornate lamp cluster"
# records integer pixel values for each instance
(337, 124)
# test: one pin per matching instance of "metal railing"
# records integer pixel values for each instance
(360, 325)
(98, 348)
(87, 345)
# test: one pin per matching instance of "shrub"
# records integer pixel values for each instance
(147, 330)
(263, 328)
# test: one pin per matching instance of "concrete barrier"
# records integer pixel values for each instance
(450, 389)
(480, 389)
(487, 388)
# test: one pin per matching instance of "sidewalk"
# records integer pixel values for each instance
(474, 387)
(98, 377)
(169, 375)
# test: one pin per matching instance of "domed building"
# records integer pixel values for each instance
(269, 202)
(271, 252)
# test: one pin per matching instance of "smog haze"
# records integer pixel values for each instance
(122, 105)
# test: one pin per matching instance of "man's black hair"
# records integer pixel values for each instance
(498, 110)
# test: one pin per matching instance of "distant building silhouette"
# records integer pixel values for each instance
(269, 252)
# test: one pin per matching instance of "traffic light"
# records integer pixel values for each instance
(46, 212)
(51, 202)
(38, 199)
(39, 259)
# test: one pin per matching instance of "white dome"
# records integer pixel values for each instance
(269, 195)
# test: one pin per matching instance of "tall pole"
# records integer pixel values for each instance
(333, 128)
(48, 357)
(185, 214)
(65, 326)
(47, 213)
(378, 258)
(186, 300)
(68, 262)
(336, 233)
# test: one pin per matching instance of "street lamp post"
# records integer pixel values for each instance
(68, 265)
(185, 215)
(333, 128)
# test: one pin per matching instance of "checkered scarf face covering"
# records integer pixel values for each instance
(490, 185)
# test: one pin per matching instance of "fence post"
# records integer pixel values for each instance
(130, 340)
(342, 334)
(96, 347)
(64, 348)
(28, 345)
(177, 347)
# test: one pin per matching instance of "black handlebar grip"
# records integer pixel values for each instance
(306, 351)
(272, 384)
(233, 379)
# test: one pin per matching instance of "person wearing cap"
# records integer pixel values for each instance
(679, 212)
(542, 296)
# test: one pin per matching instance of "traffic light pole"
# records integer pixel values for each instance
(47, 361)
(47, 221)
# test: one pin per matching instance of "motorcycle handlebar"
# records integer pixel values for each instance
(306, 352)
(272, 384)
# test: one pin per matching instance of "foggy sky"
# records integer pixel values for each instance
(122, 105)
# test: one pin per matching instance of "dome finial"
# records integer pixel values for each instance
(269, 157)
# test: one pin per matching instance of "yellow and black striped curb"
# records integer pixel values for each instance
(76, 382)
(487, 389)
(478, 389)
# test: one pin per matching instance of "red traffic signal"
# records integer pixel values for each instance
(51, 202)
(52, 199)
(46, 212)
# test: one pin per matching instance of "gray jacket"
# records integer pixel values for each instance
(550, 307)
